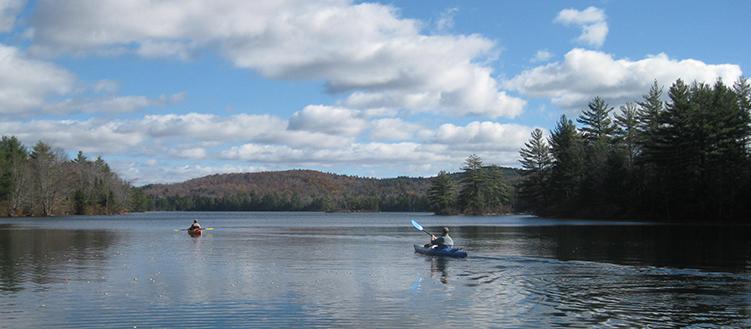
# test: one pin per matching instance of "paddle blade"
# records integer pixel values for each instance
(416, 225)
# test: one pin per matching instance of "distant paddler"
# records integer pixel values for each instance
(195, 228)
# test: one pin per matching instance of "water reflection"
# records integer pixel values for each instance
(357, 270)
(38, 255)
(438, 268)
(718, 248)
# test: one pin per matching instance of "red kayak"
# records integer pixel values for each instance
(194, 232)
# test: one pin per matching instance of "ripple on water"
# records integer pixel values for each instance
(594, 293)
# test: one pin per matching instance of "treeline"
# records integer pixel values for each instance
(279, 201)
(478, 190)
(43, 182)
(293, 190)
(686, 158)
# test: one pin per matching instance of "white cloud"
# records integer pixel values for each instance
(208, 126)
(327, 120)
(264, 129)
(90, 136)
(592, 22)
(9, 9)
(541, 56)
(392, 129)
(26, 83)
(486, 135)
(157, 49)
(114, 104)
(445, 21)
(264, 142)
(106, 86)
(29, 86)
(352, 154)
(583, 74)
(195, 153)
(139, 174)
(365, 49)
(591, 15)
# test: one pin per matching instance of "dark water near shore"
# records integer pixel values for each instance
(359, 270)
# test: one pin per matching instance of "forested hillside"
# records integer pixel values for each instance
(293, 190)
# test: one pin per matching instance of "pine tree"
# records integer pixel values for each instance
(675, 154)
(442, 194)
(742, 91)
(724, 154)
(647, 181)
(627, 133)
(596, 123)
(598, 131)
(14, 175)
(648, 116)
(470, 196)
(537, 162)
(620, 185)
(496, 194)
(567, 173)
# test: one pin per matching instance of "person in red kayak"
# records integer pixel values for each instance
(194, 226)
(443, 241)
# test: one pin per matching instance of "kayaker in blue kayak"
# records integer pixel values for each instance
(443, 241)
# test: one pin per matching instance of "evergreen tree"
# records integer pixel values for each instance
(647, 182)
(649, 111)
(742, 90)
(14, 175)
(567, 173)
(470, 196)
(627, 131)
(724, 153)
(595, 120)
(496, 194)
(537, 162)
(687, 158)
(598, 132)
(442, 194)
(623, 183)
(675, 153)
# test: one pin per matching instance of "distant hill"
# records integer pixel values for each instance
(293, 190)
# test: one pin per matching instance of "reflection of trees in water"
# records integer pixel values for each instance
(33, 254)
(725, 248)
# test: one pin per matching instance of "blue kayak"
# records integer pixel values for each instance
(448, 252)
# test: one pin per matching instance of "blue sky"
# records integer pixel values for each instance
(171, 90)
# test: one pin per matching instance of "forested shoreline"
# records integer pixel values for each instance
(687, 158)
(683, 159)
(478, 190)
(41, 181)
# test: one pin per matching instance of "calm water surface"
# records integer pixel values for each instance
(346, 270)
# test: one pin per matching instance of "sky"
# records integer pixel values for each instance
(170, 90)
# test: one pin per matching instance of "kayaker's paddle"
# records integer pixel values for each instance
(419, 228)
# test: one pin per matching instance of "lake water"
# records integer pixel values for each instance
(291, 270)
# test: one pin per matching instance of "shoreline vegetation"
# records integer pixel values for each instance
(681, 160)
(43, 182)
